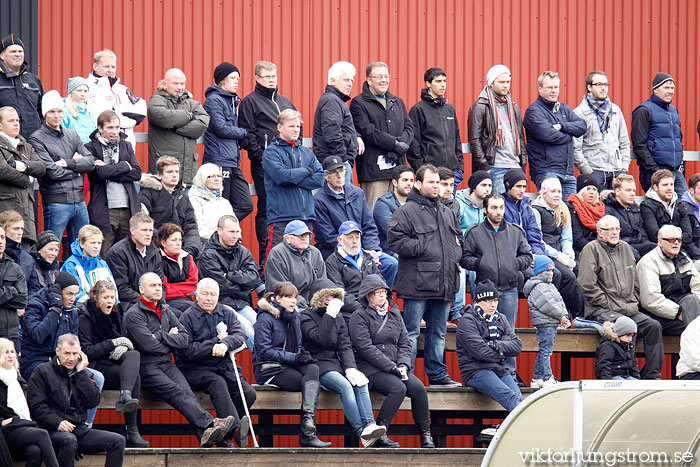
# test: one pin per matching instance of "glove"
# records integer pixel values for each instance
(391, 157)
(566, 261)
(334, 307)
(400, 147)
(305, 358)
(123, 341)
(494, 345)
(55, 299)
(117, 353)
(396, 372)
(356, 377)
(403, 369)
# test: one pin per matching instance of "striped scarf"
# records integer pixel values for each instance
(494, 335)
(500, 138)
(603, 111)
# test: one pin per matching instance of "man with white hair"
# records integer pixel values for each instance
(214, 332)
(334, 131)
(669, 283)
(175, 121)
(607, 276)
(496, 137)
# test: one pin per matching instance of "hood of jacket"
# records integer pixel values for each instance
(371, 283)
(415, 196)
(215, 243)
(9, 73)
(265, 306)
(652, 194)
(539, 201)
(425, 96)
(151, 182)
(40, 261)
(87, 262)
(608, 331)
(317, 299)
(215, 90)
(532, 282)
(176, 99)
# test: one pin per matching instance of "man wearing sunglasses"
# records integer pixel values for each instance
(669, 283)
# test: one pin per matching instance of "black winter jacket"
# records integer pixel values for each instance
(334, 130)
(345, 275)
(436, 138)
(19, 255)
(98, 329)
(425, 234)
(127, 266)
(631, 224)
(175, 207)
(13, 295)
(126, 171)
(380, 128)
(615, 358)
(656, 216)
(223, 136)
(23, 91)
(46, 273)
(151, 334)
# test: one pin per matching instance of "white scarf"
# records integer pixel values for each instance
(15, 395)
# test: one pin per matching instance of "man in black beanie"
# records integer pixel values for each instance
(656, 143)
(223, 138)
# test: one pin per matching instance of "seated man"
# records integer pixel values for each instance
(608, 279)
(669, 283)
(621, 204)
(85, 263)
(231, 265)
(336, 203)
(296, 261)
(206, 362)
(155, 333)
(60, 393)
(132, 257)
(401, 182)
(347, 266)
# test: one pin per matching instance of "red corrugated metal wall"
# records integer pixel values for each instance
(630, 39)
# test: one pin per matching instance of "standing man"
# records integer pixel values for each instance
(19, 87)
(108, 93)
(401, 182)
(425, 234)
(382, 121)
(657, 139)
(258, 116)
(436, 138)
(175, 121)
(496, 137)
(334, 130)
(19, 168)
(551, 126)
(604, 150)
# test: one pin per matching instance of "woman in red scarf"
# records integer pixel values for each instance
(586, 210)
(181, 274)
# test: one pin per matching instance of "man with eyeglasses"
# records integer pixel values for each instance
(669, 283)
(551, 127)
(383, 124)
(604, 150)
(257, 114)
(607, 276)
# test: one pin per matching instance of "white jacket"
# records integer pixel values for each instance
(208, 209)
(592, 152)
(689, 356)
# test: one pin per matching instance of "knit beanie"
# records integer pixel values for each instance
(223, 70)
(478, 177)
(51, 100)
(485, 290)
(624, 325)
(585, 180)
(66, 279)
(542, 263)
(44, 238)
(660, 79)
(495, 72)
(76, 81)
(12, 39)
(512, 177)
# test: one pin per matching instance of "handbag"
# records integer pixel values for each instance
(270, 369)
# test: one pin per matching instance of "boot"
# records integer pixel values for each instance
(309, 398)
(384, 441)
(426, 441)
(126, 403)
(134, 439)
(240, 435)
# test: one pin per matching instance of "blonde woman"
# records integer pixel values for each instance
(207, 200)
(77, 112)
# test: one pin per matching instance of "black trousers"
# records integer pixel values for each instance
(167, 382)
(395, 389)
(223, 391)
(32, 444)
(123, 374)
(92, 442)
(235, 189)
(258, 173)
(292, 379)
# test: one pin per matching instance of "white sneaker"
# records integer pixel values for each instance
(490, 431)
(537, 383)
(372, 432)
(550, 382)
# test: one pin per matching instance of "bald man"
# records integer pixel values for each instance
(175, 121)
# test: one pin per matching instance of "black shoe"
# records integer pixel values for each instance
(126, 403)
(385, 442)
(426, 440)
(240, 436)
(308, 440)
(225, 444)
(134, 439)
(445, 382)
(519, 381)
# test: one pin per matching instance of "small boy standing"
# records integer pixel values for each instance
(547, 312)
(614, 357)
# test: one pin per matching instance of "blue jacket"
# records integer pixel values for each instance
(332, 209)
(270, 335)
(291, 172)
(469, 213)
(87, 270)
(42, 327)
(551, 150)
(383, 210)
(664, 137)
(524, 216)
(223, 136)
(84, 123)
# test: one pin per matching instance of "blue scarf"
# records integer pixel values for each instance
(356, 261)
(603, 111)
(216, 193)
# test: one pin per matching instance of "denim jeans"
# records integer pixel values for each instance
(502, 389)
(508, 306)
(348, 173)
(388, 266)
(247, 316)
(497, 174)
(59, 216)
(460, 299)
(100, 382)
(543, 367)
(356, 403)
(568, 183)
(471, 278)
(605, 178)
(628, 378)
(435, 313)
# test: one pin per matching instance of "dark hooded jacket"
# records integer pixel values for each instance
(23, 91)
(13, 295)
(224, 135)
(613, 357)
(334, 131)
(15, 252)
(98, 329)
(46, 273)
(127, 266)
(631, 224)
(271, 344)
